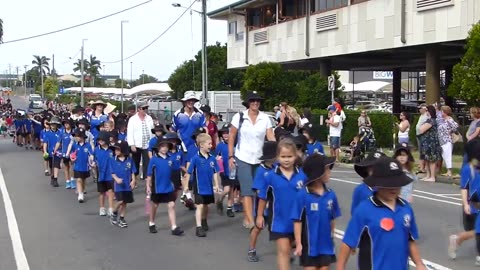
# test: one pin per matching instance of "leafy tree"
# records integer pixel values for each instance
(118, 83)
(51, 87)
(78, 66)
(144, 78)
(313, 92)
(1, 31)
(181, 80)
(41, 67)
(466, 74)
(94, 67)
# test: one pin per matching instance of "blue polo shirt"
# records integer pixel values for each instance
(222, 150)
(284, 191)
(84, 151)
(360, 193)
(202, 170)
(28, 123)
(163, 170)
(177, 159)
(37, 128)
(51, 138)
(389, 242)
(65, 139)
(42, 134)
(185, 125)
(315, 147)
(152, 143)
(122, 136)
(18, 124)
(123, 170)
(259, 183)
(95, 122)
(102, 158)
(469, 183)
(319, 211)
(192, 151)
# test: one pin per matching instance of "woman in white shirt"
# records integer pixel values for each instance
(403, 129)
(250, 132)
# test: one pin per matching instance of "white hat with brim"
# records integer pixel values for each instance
(109, 108)
(190, 96)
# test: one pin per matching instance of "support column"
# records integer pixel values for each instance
(325, 68)
(448, 80)
(397, 91)
(432, 80)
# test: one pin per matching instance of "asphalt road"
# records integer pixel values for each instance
(59, 233)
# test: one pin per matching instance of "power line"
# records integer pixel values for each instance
(78, 25)
(157, 38)
(72, 58)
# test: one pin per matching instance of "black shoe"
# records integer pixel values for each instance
(55, 183)
(113, 219)
(47, 173)
(152, 229)
(51, 182)
(252, 256)
(122, 223)
(230, 212)
(200, 232)
(177, 231)
(204, 225)
(220, 208)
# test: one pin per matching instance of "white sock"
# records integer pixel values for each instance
(184, 193)
(174, 227)
(189, 195)
(151, 223)
(72, 179)
(68, 181)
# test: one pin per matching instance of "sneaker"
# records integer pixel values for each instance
(200, 232)
(183, 199)
(67, 185)
(477, 261)
(55, 183)
(80, 197)
(122, 223)
(230, 212)
(252, 256)
(220, 208)
(177, 231)
(102, 212)
(452, 246)
(73, 184)
(113, 219)
(190, 204)
(204, 225)
(110, 212)
(153, 229)
(47, 173)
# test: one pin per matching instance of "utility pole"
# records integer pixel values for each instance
(9, 74)
(143, 76)
(16, 79)
(82, 101)
(131, 74)
(204, 53)
(25, 80)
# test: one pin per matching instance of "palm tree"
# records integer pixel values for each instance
(94, 66)
(78, 66)
(1, 31)
(40, 66)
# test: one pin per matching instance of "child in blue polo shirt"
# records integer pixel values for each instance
(203, 169)
(161, 188)
(43, 132)
(227, 183)
(364, 169)
(121, 126)
(123, 172)
(28, 127)
(268, 159)
(387, 220)
(284, 181)
(65, 139)
(314, 213)
(177, 158)
(313, 145)
(103, 154)
(50, 141)
(158, 132)
(81, 153)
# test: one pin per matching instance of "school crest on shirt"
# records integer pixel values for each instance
(111, 154)
(299, 184)
(170, 163)
(406, 220)
(330, 205)
(85, 150)
(178, 157)
(314, 207)
(315, 150)
(212, 164)
(128, 165)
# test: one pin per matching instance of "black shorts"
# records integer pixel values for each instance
(274, 236)
(81, 175)
(66, 161)
(104, 186)
(176, 178)
(124, 196)
(227, 182)
(203, 199)
(468, 221)
(36, 135)
(317, 261)
(54, 162)
(163, 197)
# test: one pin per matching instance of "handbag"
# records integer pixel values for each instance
(456, 137)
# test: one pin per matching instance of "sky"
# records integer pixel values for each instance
(23, 18)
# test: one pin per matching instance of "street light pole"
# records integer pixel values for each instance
(25, 80)
(82, 76)
(131, 74)
(121, 54)
(143, 76)
(204, 52)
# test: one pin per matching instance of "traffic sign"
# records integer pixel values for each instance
(331, 83)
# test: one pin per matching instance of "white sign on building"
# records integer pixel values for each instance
(383, 75)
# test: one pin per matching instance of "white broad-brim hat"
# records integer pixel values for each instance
(109, 108)
(190, 96)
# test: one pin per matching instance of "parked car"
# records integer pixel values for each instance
(35, 102)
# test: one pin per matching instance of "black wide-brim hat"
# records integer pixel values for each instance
(104, 136)
(402, 148)
(387, 173)
(123, 146)
(252, 96)
(281, 132)
(314, 166)
(308, 128)
(224, 129)
(163, 140)
(157, 128)
(172, 136)
(84, 122)
(269, 150)
(362, 167)
(80, 132)
(300, 141)
(69, 121)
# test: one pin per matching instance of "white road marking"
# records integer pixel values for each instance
(428, 264)
(335, 171)
(415, 195)
(438, 195)
(20, 257)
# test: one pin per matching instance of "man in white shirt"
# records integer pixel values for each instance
(335, 124)
(138, 136)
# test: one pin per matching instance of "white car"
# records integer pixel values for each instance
(35, 102)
